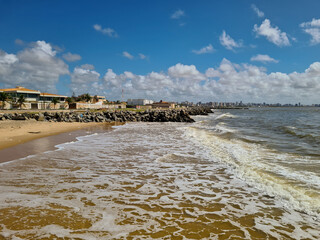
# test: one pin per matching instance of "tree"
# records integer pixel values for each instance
(55, 101)
(87, 97)
(69, 100)
(20, 101)
(95, 98)
(3, 98)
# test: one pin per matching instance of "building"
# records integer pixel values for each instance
(101, 99)
(134, 102)
(29, 95)
(163, 104)
(34, 99)
(98, 105)
(45, 101)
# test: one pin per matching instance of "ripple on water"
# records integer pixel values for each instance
(147, 181)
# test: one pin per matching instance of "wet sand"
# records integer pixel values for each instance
(140, 181)
(23, 138)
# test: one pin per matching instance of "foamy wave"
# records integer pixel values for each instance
(179, 159)
(225, 115)
(250, 162)
(78, 139)
(143, 181)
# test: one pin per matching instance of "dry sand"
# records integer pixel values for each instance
(17, 132)
(22, 138)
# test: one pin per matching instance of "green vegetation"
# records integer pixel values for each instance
(3, 98)
(20, 101)
(55, 101)
(84, 97)
(69, 100)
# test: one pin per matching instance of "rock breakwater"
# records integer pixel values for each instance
(168, 115)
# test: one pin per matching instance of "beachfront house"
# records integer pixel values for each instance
(46, 101)
(34, 99)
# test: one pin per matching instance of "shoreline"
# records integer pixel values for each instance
(26, 128)
(20, 139)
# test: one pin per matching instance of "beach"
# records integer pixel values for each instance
(151, 180)
(22, 138)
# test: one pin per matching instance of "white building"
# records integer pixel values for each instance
(139, 101)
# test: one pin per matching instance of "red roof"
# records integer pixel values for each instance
(16, 89)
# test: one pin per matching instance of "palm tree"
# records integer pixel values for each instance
(55, 101)
(96, 99)
(87, 97)
(69, 100)
(20, 101)
(3, 98)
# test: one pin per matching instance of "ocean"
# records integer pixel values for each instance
(234, 174)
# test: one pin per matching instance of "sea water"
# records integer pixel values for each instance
(234, 174)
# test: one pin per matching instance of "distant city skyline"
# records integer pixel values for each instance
(209, 51)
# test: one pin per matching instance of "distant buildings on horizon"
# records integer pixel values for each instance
(34, 99)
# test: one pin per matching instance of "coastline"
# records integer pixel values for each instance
(23, 138)
(152, 170)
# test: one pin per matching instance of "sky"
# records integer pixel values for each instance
(219, 51)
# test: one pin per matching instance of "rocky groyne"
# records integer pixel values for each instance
(168, 115)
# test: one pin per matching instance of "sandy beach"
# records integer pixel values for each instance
(22, 138)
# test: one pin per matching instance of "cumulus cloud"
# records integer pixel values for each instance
(87, 66)
(273, 34)
(127, 55)
(185, 72)
(107, 31)
(315, 34)
(70, 57)
(257, 11)
(228, 42)
(313, 29)
(226, 82)
(177, 14)
(36, 67)
(84, 79)
(207, 49)
(263, 58)
(313, 23)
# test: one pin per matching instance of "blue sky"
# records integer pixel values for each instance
(179, 50)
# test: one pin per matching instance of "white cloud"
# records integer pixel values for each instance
(313, 23)
(70, 57)
(87, 66)
(107, 31)
(228, 42)
(185, 71)
(36, 67)
(127, 55)
(315, 34)
(226, 82)
(263, 58)
(257, 11)
(177, 14)
(142, 56)
(83, 79)
(273, 34)
(313, 29)
(207, 49)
